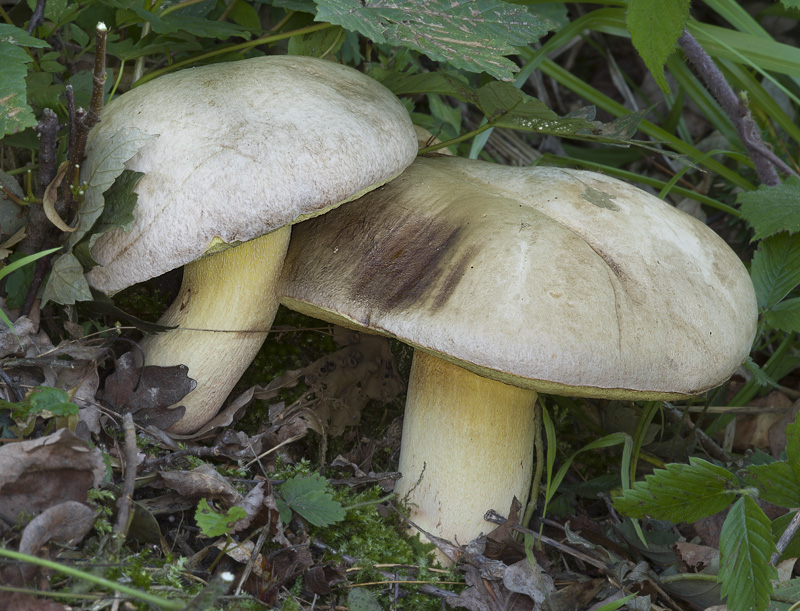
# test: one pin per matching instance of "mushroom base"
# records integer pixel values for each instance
(467, 447)
(223, 313)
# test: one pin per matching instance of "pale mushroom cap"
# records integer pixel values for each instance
(244, 148)
(562, 281)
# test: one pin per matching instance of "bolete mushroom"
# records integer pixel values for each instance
(513, 281)
(244, 150)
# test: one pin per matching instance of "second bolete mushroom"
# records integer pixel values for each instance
(513, 281)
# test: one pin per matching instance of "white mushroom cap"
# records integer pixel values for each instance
(561, 281)
(244, 148)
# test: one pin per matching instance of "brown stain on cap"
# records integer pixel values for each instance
(418, 261)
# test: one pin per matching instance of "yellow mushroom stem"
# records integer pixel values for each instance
(467, 447)
(223, 312)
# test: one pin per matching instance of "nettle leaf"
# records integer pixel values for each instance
(66, 283)
(776, 268)
(680, 493)
(655, 26)
(104, 163)
(473, 35)
(310, 498)
(772, 209)
(745, 548)
(15, 114)
(214, 523)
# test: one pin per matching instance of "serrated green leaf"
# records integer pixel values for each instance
(745, 550)
(772, 209)
(15, 114)
(776, 268)
(361, 599)
(655, 26)
(778, 526)
(104, 162)
(680, 493)
(785, 316)
(214, 523)
(54, 400)
(309, 497)
(66, 283)
(777, 483)
(473, 35)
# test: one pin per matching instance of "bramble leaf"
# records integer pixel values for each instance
(309, 497)
(772, 209)
(655, 26)
(15, 115)
(680, 493)
(214, 523)
(776, 268)
(745, 548)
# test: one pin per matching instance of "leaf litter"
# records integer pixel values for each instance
(270, 531)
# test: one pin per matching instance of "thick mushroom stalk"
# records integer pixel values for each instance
(222, 313)
(467, 441)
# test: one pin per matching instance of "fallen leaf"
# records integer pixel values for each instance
(202, 482)
(38, 473)
(148, 392)
(66, 523)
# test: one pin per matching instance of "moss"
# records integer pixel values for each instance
(380, 540)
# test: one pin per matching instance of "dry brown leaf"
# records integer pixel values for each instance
(63, 523)
(148, 392)
(202, 482)
(51, 196)
(37, 473)
(695, 558)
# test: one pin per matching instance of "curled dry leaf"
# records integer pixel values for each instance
(38, 473)
(63, 523)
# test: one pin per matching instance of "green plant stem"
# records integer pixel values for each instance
(536, 480)
(243, 46)
(162, 603)
(467, 136)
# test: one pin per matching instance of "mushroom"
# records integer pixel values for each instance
(244, 150)
(509, 282)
